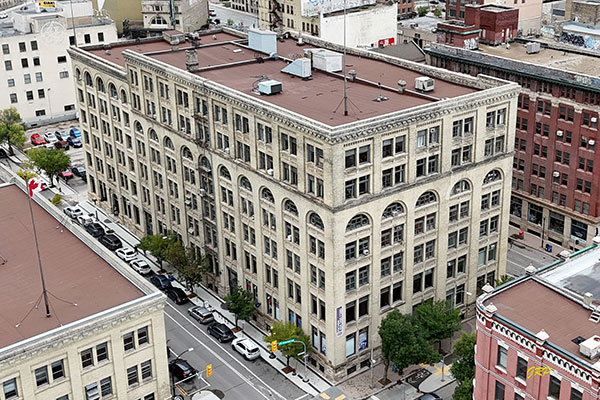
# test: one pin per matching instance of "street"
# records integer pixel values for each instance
(520, 256)
(223, 14)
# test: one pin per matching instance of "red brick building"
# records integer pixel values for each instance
(457, 33)
(405, 8)
(536, 340)
(555, 190)
(498, 24)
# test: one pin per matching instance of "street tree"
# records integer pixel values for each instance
(241, 303)
(503, 279)
(422, 11)
(463, 369)
(51, 161)
(403, 342)
(438, 319)
(157, 245)
(190, 267)
(284, 331)
(12, 131)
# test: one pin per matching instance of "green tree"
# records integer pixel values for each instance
(284, 331)
(422, 11)
(438, 320)
(503, 279)
(190, 267)
(51, 161)
(463, 369)
(12, 131)
(403, 342)
(26, 174)
(157, 245)
(241, 303)
(437, 12)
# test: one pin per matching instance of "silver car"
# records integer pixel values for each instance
(201, 314)
(141, 266)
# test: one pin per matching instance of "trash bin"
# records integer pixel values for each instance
(521, 234)
(548, 247)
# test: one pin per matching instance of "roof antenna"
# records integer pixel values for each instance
(381, 97)
(344, 61)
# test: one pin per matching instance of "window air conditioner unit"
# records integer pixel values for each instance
(202, 192)
(188, 203)
(555, 174)
(191, 231)
(594, 119)
(227, 150)
(365, 252)
(270, 171)
(559, 133)
(591, 142)
(289, 238)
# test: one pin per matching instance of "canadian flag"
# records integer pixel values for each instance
(34, 185)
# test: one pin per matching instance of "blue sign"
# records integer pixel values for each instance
(339, 321)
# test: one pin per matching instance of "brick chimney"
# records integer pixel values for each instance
(191, 60)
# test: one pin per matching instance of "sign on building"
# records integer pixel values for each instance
(311, 8)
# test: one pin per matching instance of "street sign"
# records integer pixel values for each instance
(208, 370)
(286, 342)
(273, 346)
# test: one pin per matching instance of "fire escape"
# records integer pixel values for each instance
(276, 10)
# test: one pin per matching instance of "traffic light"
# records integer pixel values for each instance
(208, 370)
(273, 346)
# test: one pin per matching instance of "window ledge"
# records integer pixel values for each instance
(521, 381)
(501, 369)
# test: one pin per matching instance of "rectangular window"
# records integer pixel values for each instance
(146, 368)
(132, 375)
(58, 369)
(521, 368)
(41, 376)
(128, 341)
(106, 387)
(554, 387)
(501, 357)
(499, 393)
(87, 358)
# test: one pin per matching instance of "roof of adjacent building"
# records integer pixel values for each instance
(319, 98)
(406, 51)
(552, 300)
(566, 67)
(74, 274)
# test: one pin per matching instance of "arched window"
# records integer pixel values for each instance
(158, 21)
(316, 221)
(290, 207)
(459, 187)
(245, 183)
(138, 127)
(169, 143)
(267, 195)
(224, 172)
(100, 85)
(153, 135)
(78, 74)
(492, 176)
(205, 164)
(426, 198)
(392, 210)
(88, 79)
(112, 90)
(358, 221)
(123, 96)
(187, 153)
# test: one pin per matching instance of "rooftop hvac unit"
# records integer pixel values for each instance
(424, 84)
(590, 347)
(299, 67)
(263, 41)
(269, 87)
(532, 47)
(325, 60)
(559, 133)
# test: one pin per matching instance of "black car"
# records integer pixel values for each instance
(221, 332)
(111, 242)
(160, 281)
(95, 229)
(80, 172)
(177, 295)
(181, 369)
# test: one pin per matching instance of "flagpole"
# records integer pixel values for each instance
(37, 247)
(344, 61)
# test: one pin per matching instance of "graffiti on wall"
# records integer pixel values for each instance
(582, 41)
(471, 44)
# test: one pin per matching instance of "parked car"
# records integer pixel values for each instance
(75, 142)
(201, 314)
(111, 242)
(430, 396)
(79, 171)
(95, 229)
(181, 369)
(247, 348)
(85, 219)
(141, 267)
(212, 13)
(62, 135)
(221, 332)
(50, 137)
(62, 144)
(66, 174)
(37, 139)
(126, 254)
(75, 133)
(177, 295)
(160, 281)
(73, 212)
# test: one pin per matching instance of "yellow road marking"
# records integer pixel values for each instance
(181, 390)
(341, 397)
(325, 396)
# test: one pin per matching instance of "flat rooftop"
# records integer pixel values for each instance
(535, 306)
(319, 98)
(580, 274)
(72, 271)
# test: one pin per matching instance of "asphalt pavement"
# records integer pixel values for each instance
(520, 256)
(223, 14)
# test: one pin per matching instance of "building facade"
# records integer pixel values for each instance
(555, 193)
(105, 332)
(249, 6)
(537, 340)
(5, 4)
(36, 70)
(530, 12)
(119, 10)
(288, 198)
(185, 16)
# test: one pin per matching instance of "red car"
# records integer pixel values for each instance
(66, 174)
(37, 140)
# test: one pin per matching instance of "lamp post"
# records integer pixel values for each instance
(172, 377)
(543, 228)
(304, 356)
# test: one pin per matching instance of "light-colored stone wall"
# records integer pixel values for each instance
(190, 15)
(333, 209)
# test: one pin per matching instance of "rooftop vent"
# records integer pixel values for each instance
(590, 347)
(588, 299)
(325, 60)
(299, 67)
(263, 41)
(532, 48)
(173, 37)
(269, 87)
(424, 84)
(578, 340)
(191, 60)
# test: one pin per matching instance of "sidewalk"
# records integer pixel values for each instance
(532, 241)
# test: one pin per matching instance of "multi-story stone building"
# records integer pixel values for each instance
(6, 4)
(105, 332)
(555, 194)
(537, 336)
(331, 220)
(249, 6)
(35, 70)
(181, 15)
